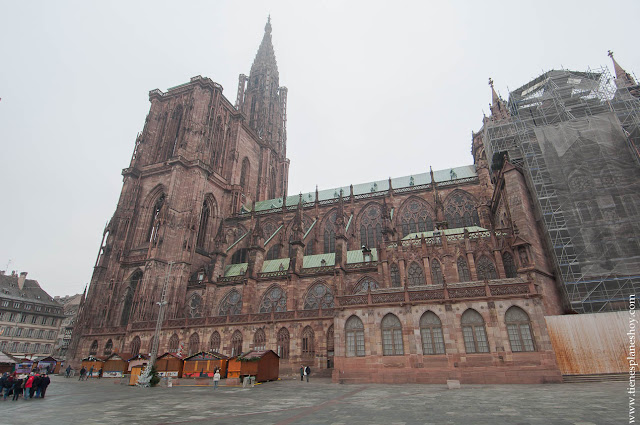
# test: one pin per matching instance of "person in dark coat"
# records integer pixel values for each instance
(82, 373)
(17, 388)
(68, 371)
(35, 386)
(301, 373)
(8, 385)
(307, 372)
(44, 383)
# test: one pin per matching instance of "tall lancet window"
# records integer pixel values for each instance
(204, 222)
(152, 234)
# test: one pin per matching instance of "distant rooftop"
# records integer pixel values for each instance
(31, 291)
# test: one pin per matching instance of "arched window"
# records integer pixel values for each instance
(318, 296)
(244, 175)
(463, 270)
(308, 249)
(174, 343)
(194, 343)
(108, 348)
(135, 346)
(391, 336)
(583, 209)
(274, 252)
(259, 340)
(275, 299)
(436, 272)
(204, 222)
(283, 343)
(371, 226)
(330, 233)
(195, 306)
(486, 269)
(509, 265)
(431, 332)
(239, 257)
(94, 348)
(236, 343)
(308, 346)
(365, 285)
(474, 333)
(231, 304)
(174, 131)
(395, 276)
(519, 330)
(415, 216)
(272, 184)
(415, 275)
(151, 341)
(152, 233)
(214, 342)
(460, 210)
(330, 346)
(354, 330)
(130, 292)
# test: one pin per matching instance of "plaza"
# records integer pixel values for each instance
(322, 402)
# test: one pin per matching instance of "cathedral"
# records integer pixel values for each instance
(439, 275)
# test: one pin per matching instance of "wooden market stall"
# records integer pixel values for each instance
(96, 362)
(170, 364)
(137, 364)
(116, 365)
(264, 365)
(47, 364)
(204, 364)
(7, 362)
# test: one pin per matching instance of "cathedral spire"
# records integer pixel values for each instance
(623, 78)
(498, 107)
(265, 61)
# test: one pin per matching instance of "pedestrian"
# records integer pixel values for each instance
(90, 372)
(44, 383)
(17, 388)
(301, 373)
(35, 387)
(100, 373)
(68, 371)
(307, 372)
(28, 392)
(216, 379)
(82, 373)
(8, 386)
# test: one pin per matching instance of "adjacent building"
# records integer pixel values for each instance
(71, 305)
(436, 275)
(29, 317)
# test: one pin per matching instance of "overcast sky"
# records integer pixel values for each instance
(376, 89)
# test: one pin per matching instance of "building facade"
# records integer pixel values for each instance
(29, 317)
(70, 307)
(422, 278)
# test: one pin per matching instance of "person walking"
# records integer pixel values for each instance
(35, 387)
(100, 373)
(82, 373)
(68, 371)
(90, 373)
(216, 379)
(307, 372)
(8, 385)
(28, 393)
(301, 373)
(44, 383)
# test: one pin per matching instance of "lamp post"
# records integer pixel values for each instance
(145, 377)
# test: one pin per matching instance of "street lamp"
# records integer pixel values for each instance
(145, 377)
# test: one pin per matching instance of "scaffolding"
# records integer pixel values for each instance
(577, 138)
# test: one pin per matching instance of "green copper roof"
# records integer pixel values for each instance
(235, 269)
(456, 231)
(311, 261)
(440, 176)
(274, 265)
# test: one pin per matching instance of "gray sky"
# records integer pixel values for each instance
(376, 89)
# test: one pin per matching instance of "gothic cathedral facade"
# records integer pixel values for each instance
(422, 278)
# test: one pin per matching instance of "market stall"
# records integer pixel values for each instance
(170, 364)
(264, 365)
(204, 364)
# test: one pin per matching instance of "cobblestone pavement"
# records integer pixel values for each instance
(322, 402)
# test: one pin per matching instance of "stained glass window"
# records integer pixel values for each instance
(283, 343)
(214, 342)
(415, 275)
(319, 296)
(463, 270)
(108, 348)
(308, 346)
(259, 340)
(509, 265)
(415, 216)
(94, 348)
(236, 343)
(395, 276)
(231, 304)
(174, 343)
(436, 272)
(486, 269)
(365, 285)
(460, 210)
(194, 343)
(371, 226)
(275, 299)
